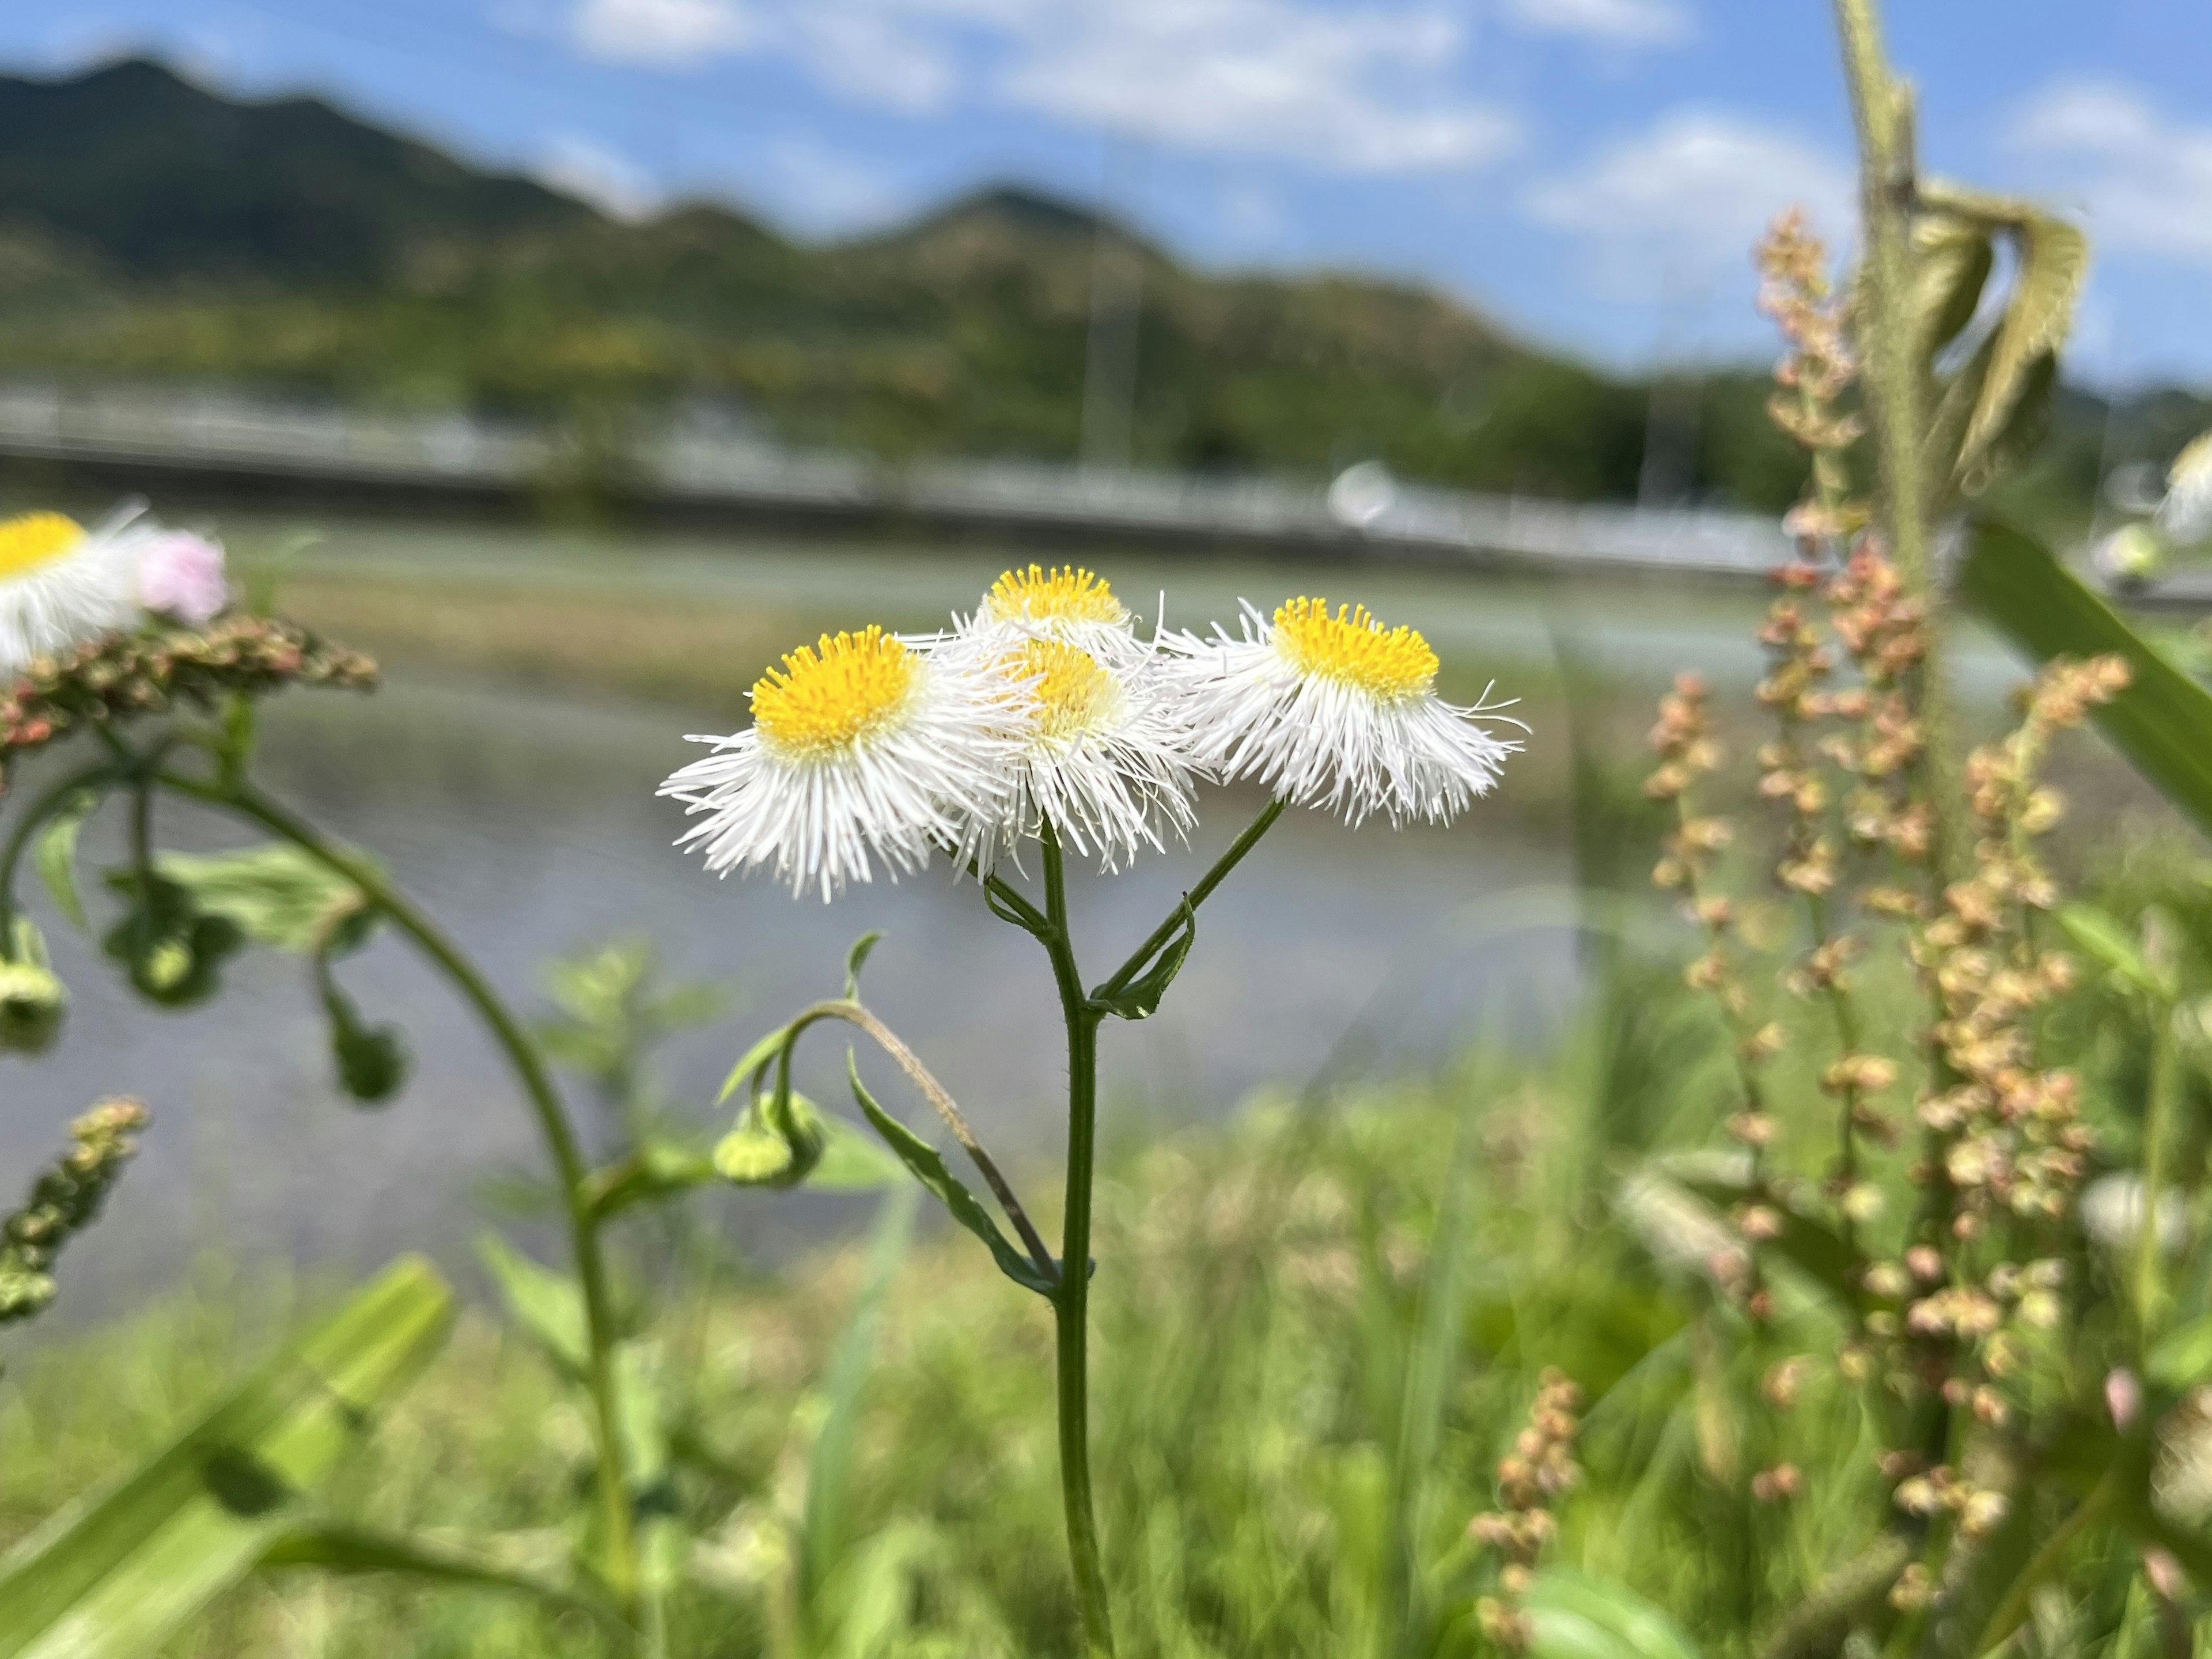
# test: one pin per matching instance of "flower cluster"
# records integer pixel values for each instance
(2011, 1134)
(1538, 1470)
(1045, 713)
(64, 1201)
(1817, 367)
(120, 675)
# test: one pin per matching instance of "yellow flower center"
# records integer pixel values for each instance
(1066, 594)
(35, 540)
(1073, 693)
(1354, 649)
(828, 695)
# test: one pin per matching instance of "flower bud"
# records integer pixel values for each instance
(33, 1003)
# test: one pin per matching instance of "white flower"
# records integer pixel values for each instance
(1103, 755)
(62, 585)
(1068, 604)
(1334, 711)
(2184, 517)
(861, 748)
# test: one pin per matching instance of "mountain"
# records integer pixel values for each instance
(153, 229)
(160, 178)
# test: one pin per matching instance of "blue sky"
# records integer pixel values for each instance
(1590, 171)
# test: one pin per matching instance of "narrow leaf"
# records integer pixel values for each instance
(547, 1304)
(2162, 721)
(2101, 936)
(755, 1057)
(1140, 997)
(118, 1572)
(56, 856)
(922, 1159)
(2054, 260)
(855, 959)
(277, 895)
(1952, 258)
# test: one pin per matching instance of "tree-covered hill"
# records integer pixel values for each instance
(152, 229)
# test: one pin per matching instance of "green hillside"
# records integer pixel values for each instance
(152, 229)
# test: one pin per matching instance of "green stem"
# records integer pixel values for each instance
(2158, 1119)
(1071, 1302)
(1896, 381)
(1197, 896)
(552, 1122)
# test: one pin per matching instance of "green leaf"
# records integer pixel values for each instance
(57, 855)
(1140, 997)
(2183, 1358)
(2162, 721)
(118, 1572)
(2101, 936)
(547, 1304)
(755, 1057)
(922, 1161)
(2025, 429)
(277, 895)
(336, 1547)
(855, 959)
(852, 1162)
(1573, 1617)
(2054, 259)
(1952, 258)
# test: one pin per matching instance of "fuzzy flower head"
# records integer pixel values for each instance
(1101, 753)
(1334, 710)
(1068, 604)
(62, 585)
(862, 748)
(180, 575)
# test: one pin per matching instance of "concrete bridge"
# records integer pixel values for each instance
(178, 444)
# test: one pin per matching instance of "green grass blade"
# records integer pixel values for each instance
(826, 1534)
(116, 1574)
(2162, 721)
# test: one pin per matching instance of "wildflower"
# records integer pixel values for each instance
(1102, 751)
(1068, 604)
(1336, 711)
(180, 575)
(862, 748)
(62, 585)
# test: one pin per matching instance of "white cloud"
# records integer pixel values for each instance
(1352, 91)
(663, 33)
(594, 173)
(2145, 179)
(827, 191)
(1345, 91)
(1695, 192)
(1610, 22)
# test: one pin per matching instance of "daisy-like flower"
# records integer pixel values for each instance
(862, 748)
(2184, 517)
(62, 585)
(1068, 604)
(1335, 711)
(1103, 755)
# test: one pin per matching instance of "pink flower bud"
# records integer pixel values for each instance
(181, 576)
